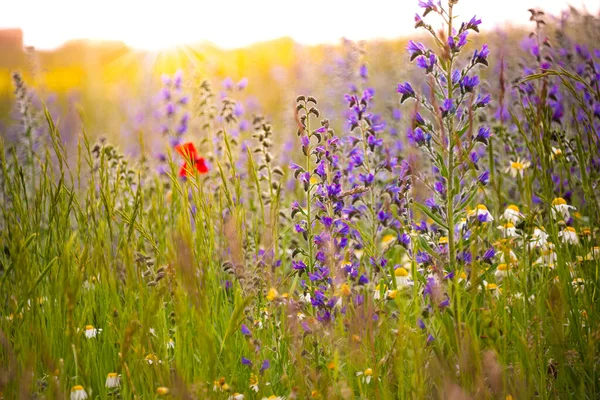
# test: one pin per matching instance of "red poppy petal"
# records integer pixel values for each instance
(183, 171)
(187, 150)
(201, 166)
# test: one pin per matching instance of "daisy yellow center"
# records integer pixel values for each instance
(368, 372)
(517, 165)
(559, 201)
(481, 207)
(509, 225)
(492, 286)
(313, 180)
(89, 327)
(502, 267)
(512, 207)
(76, 388)
(151, 357)
(387, 239)
(401, 272)
(570, 229)
(443, 240)
(392, 295)
(112, 375)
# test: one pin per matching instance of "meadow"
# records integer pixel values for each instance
(434, 236)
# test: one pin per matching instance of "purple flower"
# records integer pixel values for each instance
(423, 258)
(489, 255)
(467, 84)
(427, 63)
(406, 91)
(299, 228)
(266, 364)
(415, 49)
(418, 21)
(480, 56)
(462, 41)
(483, 135)
(481, 102)
(246, 361)
(245, 330)
(473, 24)
(447, 107)
(484, 178)
(242, 84)
(363, 71)
(417, 136)
(299, 266)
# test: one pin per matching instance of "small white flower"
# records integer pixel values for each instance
(78, 393)
(569, 235)
(578, 285)
(91, 332)
(501, 271)
(518, 167)
(560, 207)
(539, 238)
(112, 380)
(402, 278)
(481, 213)
(236, 396)
(508, 229)
(367, 375)
(273, 397)
(513, 214)
(170, 344)
(305, 298)
(547, 259)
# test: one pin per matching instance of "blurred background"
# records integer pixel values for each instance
(100, 63)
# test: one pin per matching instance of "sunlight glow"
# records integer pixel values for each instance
(153, 25)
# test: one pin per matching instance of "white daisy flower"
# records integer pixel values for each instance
(236, 396)
(569, 235)
(501, 271)
(518, 167)
(513, 214)
(273, 397)
(539, 238)
(78, 393)
(367, 375)
(578, 285)
(170, 344)
(388, 241)
(481, 212)
(402, 278)
(548, 258)
(508, 230)
(305, 298)
(112, 380)
(91, 332)
(254, 383)
(560, 207)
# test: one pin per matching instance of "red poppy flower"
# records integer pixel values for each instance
(192, 159)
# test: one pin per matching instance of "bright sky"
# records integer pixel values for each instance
(150, 24)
